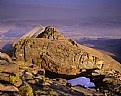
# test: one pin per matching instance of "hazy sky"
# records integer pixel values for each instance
(60, 9)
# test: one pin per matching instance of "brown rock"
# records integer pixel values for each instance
(31, 81)
(51, 34)
(4, 76)
(47, 84)
(86, 92)
(4, 56)
(9, 72)
(10, 68)
(8, 88)
(51, 51)
(28, 76)
(62, 81)
(18, 83)
(3, 62)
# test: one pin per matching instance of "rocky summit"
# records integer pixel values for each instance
(46, 62)
(66, 58)
(51, 51)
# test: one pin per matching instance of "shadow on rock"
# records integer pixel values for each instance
(8, 48)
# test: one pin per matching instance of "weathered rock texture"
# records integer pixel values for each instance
(52, 51)
(4, 56)
(26, 79)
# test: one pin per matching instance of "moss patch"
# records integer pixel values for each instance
(13, 79)
(25, 91)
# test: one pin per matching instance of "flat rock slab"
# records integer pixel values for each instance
(8, 88)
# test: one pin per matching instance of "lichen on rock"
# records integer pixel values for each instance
(25, 91)
(13, 79)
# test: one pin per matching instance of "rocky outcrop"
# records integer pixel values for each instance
(50, 51)
(26, 79)
(66, 58)
(51, 34)
(54, 53)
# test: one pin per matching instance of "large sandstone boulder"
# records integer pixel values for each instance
(54, 53)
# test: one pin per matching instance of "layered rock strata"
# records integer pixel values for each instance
(54, 53)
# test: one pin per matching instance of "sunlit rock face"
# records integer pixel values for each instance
(50, 50)
(34, 33)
